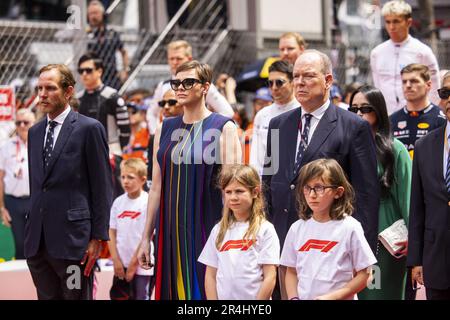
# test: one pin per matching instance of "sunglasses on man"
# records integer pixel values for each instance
(278, 83)
(187, 83)
(87, 70)
(170, 102)
(20, 122)
(444, 93)
(366, 108)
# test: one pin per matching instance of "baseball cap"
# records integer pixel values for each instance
(263, 94)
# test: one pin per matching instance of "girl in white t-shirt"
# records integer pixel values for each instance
(325, 251)
(242, 251)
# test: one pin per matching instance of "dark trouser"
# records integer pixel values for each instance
(58, 279)
(18, 209)
(435, 294)
(410, 293)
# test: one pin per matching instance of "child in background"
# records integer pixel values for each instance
(242, 251)
(325, 251)
(127, 222)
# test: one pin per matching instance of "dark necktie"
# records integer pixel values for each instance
(447, 174)
(303, 143)
(48, 148)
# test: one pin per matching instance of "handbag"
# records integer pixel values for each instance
(394, 233)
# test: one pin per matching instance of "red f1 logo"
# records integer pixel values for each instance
(244, 245)
(322, 245)
(129, 214)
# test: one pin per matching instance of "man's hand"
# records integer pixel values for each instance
(417, 275)
(131, 271)
(92, 253)
(143, 254)
(6, 218)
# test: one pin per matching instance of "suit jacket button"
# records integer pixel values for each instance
(292, 187)
(286, 210)
(41, 210)
(44, 189)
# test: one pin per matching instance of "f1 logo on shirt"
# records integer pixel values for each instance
(129, 214)
(322, 245)
(244, 245)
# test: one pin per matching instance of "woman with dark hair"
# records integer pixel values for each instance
(394, 173)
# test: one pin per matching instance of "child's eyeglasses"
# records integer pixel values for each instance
(170, 102)
(363, 109)
(318, 190)
(444, 93)
(187, 83)
(278, 83)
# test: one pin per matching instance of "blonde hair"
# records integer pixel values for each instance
(298, 38)
(136, 164)
(249, 178)
(330, 172)
(180, 44)
(397, 8)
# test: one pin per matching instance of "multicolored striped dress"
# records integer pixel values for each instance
(190, 205)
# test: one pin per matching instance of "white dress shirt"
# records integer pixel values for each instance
(389, 58)
(59, 120)
(316, 116)
(446, 146)
(261, 131)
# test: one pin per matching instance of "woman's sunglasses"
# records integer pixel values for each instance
(170, 102)
(363, 109)
(444, 93)
(187, 83)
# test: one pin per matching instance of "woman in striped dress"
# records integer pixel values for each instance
(185, 201)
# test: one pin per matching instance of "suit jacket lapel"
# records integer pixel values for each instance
(289, 140)
(63, 136)
(438, 146)
(324, 128)
(37, 146)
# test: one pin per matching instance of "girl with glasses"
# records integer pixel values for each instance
(184, 201)
(394, 176)
(325, 251)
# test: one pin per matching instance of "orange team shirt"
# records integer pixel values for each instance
(137, 148)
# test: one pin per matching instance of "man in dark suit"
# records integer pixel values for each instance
(429, 217)
(70, 185)
(318, 130)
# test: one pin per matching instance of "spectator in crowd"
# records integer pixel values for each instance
(102, 102)
(169, 104)
(442, 74)
(245, 131)
(281, 86)
(127, 222)
(105, 42)
(325, 252)
(394, 177)
(248, 273)
(388, 58)
(336, 97)
(318, 130)
(14, 182)
(184, 198)
(262, 99)
(140, 136)
(291, 46)
(179, 52)
(348, 91)
(70, 185)
(429, 222)
(227, 86)
(419, 116)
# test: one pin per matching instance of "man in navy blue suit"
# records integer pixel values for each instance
(429, 217)
(317, 130)
(70, 185)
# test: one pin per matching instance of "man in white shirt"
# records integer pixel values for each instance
(389, 58)
(282, 89)
(179, 52)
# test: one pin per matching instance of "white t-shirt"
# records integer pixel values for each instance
(325, 254)
(14, 162)
(238, 262)
(389, 58)
(128, 218)
(261, 131)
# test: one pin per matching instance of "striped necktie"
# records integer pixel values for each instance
(303, 143)
(447, 174)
